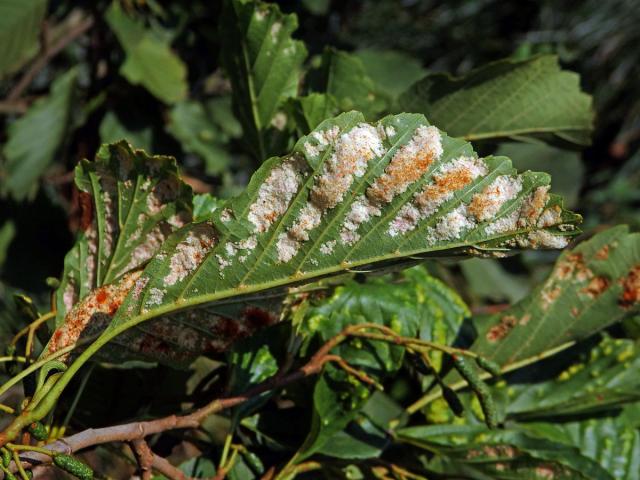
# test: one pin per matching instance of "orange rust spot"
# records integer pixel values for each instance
(575, 312)
(603, 253)
(532, 209)
(443, 184)
(398, 175)
(631, 286)
(480, 203)
(502, 329)
(101, 295)
(572, 265)
(549, 296)
(596, 286)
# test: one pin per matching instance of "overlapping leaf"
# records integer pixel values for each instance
(593, 285)
(532, 98)
(149, 59)
(48, 121)
(263, 63)
(137, 200)
(19, 26)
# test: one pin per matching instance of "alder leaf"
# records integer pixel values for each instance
(48, 121)
(131, 202)
(592, 286)
(352, 196)
(531, 98)
(263, 63)
(149, 62)
(20, 23)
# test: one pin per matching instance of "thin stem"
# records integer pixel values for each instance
(16, 460)
(10, 358)
(32, 326)
(30, 448)
(7, 409)
(33, 367)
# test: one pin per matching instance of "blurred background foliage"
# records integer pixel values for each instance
(75, 74)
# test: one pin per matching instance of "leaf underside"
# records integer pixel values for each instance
(352, 196)
(591, 286)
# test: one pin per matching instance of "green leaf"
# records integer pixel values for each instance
(487, 279)
(263, 63)
(507, 454)
(114, 129)
(149, 62)
(20, 24)
(351, 196)
(48, 120)
(7, 232)
(416, 306)
(191, 124)
(311, 110)
(609, 441)
(392, 72)
(204, 205)
(565, 167)
(591, 287)
(343, 76)
(137, 201)
(607, 378)
(532, 98)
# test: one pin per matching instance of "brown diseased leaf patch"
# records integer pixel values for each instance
(100, 302)
(398, 175)
(596, 286)
(573, 265)
(603, 253)
(502, 329)
(631, 288)
(450, 182)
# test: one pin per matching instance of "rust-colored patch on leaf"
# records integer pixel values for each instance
(631, 286)
(99, 303)
(502, 329)
(525, 319)
(398, 176)
(453, 180)
(549, 296)
(603, 253)
(596, 286)
(573, 265)
(532, 208)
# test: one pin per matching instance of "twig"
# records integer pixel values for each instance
(49, 51)
(144, 456)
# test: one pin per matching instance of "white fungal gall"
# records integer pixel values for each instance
(275, 29)
(275, 194)
(451, 226)
(362, 210)
(287, 247)
(309, 218)
(486, 204)
(353, 151)
(148, 247)
(155, 297)
(327, 247)
(406, 220)
(550, 217)
(544, 239)
(390, 131)
(409, 164)
(190, 253)
(507, 223)
(226, 215)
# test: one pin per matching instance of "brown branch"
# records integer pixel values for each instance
(48, 52)
(144, 456)
(135, 432)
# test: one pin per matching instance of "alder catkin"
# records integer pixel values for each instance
(470, 374)
(73, 466)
